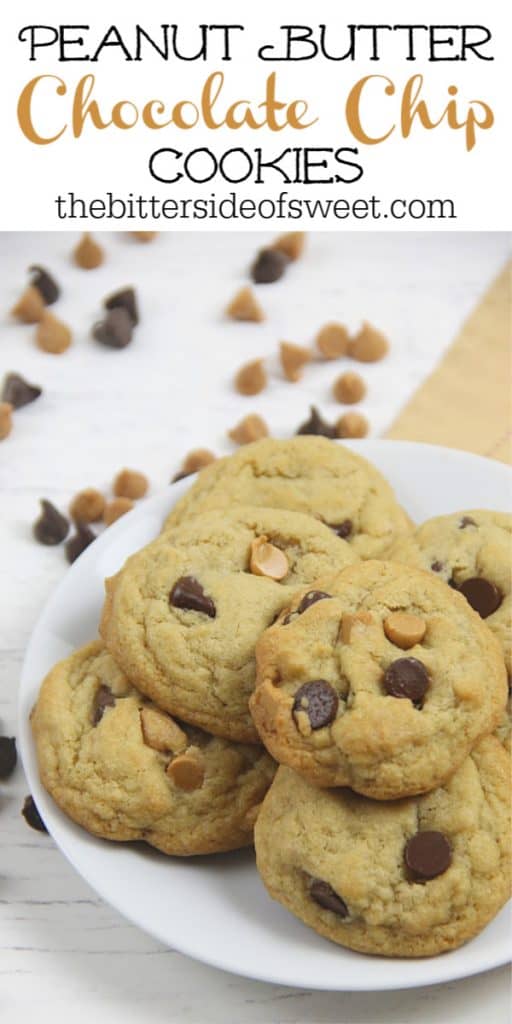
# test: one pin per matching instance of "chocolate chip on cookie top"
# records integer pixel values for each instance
(482, 595)
(319, 701)
(406, 677)
(187, 593)
(428, 854)
(104, 698)
(324, 894)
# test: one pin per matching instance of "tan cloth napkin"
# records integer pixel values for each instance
(466, 402)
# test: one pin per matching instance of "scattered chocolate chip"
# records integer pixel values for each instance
(116, 330)
(343, 529)
(51, 527)
(326, 897)
(8, 756)
(182, 476)
(269, 266)
(320, 702)
(466, 521)
(45, 284)
(310, 598)
(316, 425)
(79, 542)
(125, 299)
(32, 816)
(428, 854)
(437, 566)
(104, 698)
(406, 677)
(482, 595)
(187, 593)
(18, 392)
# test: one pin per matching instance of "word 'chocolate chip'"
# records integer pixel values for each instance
(319, 700)
(269, 266)
(316, 425)
(406, 677)
(482, 595)
(45, 284)
(187, 593)
(104, 698)
(116, 330)
(428, 854)
(310, 598)
(79, 542)
(326, 897)
(18, 392)
(8, 756)
(51, 527)
(32, 816)
(343, 529)
(126, 299)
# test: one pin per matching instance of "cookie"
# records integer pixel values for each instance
(472, 552)
(409, 878)
(125, 770)
(311, 475)
(183, 616)
(384, 684)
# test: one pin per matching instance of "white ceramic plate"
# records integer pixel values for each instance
(216, 909)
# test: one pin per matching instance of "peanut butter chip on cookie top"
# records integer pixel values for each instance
(404, 630)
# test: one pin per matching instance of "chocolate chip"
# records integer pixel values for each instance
(103, 699)
(428, 854)
(452, 583)
(466, 521)
(18, 392)
(79, 541)
(181, 476)
(188, 593)
(51, 527)
(343, 529)
(437, 566)
(124, 299)
(482, 595)
(8, 756)
(269, 266)
(116, 330)
(45, 284)
(32, 816)
(310, 598)
(316, 425)
(406, 677)
(326, 897)
(320, 702)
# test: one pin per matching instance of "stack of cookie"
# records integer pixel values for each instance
(264, 626)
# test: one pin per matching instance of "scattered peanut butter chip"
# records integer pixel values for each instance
(291, 244)
(115, 509)
(5, 420)
(52, 335)
(245, 306)
(30, 307)
(88, 254)
(404, 630)
(160, 732)
(251, 378)
(45, 284)
(250, 817)
(293, 360)
(349, 388)
(268, 560)
(352, 424)
(332, 340)
(197, 459)
(144, 236)
(251, 428)
(188, 770)
(129, 483)
(87, 506)
(369, 345)
(349, 622)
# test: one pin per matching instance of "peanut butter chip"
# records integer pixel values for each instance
(160, 731)
(5, 420)
(267, 560)
(352, 424)
(251, 428)
(293, 360)
(115, 509)
(52, 335)
(187, 770)
(350, 622)
(87, 506)
(245, 306)
(30, 307)
(369, 345)
(291, 244)
(144, 236)
(332, 340)
(88, 254)
(251, 378)
(404, 630)
(197, 459)
(129, 483)
(349, 388)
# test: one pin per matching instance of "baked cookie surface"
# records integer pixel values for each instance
(472, 551)
(409, 878)
(183, 616)
(311, 475)
(382, 679)
(124, 770)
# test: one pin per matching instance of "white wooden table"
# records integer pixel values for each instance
(64, 953)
